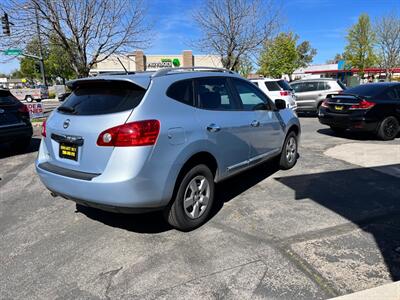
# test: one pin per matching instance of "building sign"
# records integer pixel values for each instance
(35, 110)
(164, 63)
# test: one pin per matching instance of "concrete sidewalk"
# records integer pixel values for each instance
(390, 291)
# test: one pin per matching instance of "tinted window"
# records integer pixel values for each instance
(297, 87)
(397, 91)
(369, 90)
(341, 84)
(310, 86)
(213, 93)
(272, 86)
(250, 96)
(6, 98)
(284, 85)
(182, 91)
(99, 98)
(323, 86)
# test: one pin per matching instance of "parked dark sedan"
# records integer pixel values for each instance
(15, 125)
(371, 107)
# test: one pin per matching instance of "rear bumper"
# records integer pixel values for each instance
(11, 133)
(123, 190)
(356, 122)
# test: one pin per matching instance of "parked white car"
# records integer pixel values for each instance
(277, 89)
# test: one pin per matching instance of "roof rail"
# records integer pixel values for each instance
(166, 71)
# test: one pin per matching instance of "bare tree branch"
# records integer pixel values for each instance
(235, 29)
(88, 30)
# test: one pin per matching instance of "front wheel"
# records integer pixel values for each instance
(193, 200)
(289, 152)
(29, 99)
(388, 129)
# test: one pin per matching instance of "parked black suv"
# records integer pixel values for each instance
(371, 107)
(15, 125)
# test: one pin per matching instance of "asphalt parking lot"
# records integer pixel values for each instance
(328, 227)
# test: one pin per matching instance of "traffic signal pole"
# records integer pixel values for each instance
(41, 61)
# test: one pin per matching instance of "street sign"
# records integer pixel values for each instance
(12, 52)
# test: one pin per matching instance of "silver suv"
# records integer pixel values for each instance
(129, 143)
(311, 92)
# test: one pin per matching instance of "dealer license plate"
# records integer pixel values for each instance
(68, 151)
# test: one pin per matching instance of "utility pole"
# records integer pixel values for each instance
(42, 70)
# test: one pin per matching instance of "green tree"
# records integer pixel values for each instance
(56, 61)
(359, 52)
(245, 66)
(282, 56)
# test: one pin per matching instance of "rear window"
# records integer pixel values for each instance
(7, 98)
(284, 85)
(367, 90)
(98, 98)
(272, 86)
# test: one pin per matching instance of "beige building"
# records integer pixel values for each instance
(139, 61)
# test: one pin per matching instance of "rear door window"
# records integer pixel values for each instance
(323, 86)
(213, 93)
(310, 86)
(98, 98)
(297, 87)
(284, 85)
(272, 86)
(182, 91)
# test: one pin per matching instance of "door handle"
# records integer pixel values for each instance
(255, 123)
(213, 128)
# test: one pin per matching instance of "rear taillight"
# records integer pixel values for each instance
(325, 103)
(364, 104)
(23, 109)
(141, 133)
(284, 93)
(44, 128)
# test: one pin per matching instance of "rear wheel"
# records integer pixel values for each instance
(388, 129)
(289, 153)
(193, 200)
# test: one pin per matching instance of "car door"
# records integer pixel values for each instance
(223, 123)
(266, 133)
(306, 97)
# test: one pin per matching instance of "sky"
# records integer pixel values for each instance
(322, 22)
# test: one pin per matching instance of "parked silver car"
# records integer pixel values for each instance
(129, 143)
(311, 92)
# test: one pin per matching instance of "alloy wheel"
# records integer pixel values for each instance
(196, 197)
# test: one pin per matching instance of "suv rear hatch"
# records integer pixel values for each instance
(12, 112)
(93, 106)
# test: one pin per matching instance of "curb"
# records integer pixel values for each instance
(390, 291)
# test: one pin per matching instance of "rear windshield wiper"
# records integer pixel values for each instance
(67, 109)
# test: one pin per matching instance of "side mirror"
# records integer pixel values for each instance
(280, 104)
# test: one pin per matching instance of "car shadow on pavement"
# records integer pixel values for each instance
(236, 185)
(7, 151)
(365, 197)
(153, 222)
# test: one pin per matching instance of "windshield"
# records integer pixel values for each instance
(97, 98)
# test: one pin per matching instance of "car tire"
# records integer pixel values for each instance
(338, 130)
(388, 128)
(289, 152)
(20, 145)
(29, 99)
(193, 199)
